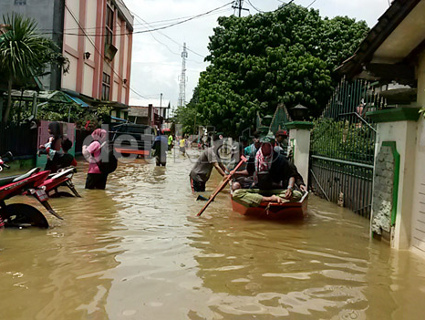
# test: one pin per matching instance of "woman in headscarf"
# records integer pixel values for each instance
(95, 178)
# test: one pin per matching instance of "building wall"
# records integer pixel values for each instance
(40, 10)
(86, 73)
(418, 219)
(70, 44)
(69, 81)
(403, 133)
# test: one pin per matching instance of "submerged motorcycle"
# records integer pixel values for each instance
(20, 215)
(61, 178)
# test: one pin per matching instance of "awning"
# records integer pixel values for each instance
(78, 101)
(118, 119)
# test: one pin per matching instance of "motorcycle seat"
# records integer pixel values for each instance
(16, 178)
(64, 172)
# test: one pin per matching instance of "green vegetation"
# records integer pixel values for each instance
(286, 56)
(342, 140)
(75, 114)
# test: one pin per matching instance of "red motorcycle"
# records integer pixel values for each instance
(62, 178)
(21, 215)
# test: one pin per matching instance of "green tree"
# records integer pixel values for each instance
(24, 54)
(286, 56)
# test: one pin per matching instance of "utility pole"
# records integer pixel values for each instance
(182, 95)
(239, 5)
(163, 111)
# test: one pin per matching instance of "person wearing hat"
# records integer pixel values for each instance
(282, 142)
(272, 174)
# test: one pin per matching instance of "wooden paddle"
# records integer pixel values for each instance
(222, 185)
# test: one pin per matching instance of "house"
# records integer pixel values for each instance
(149, 115)
(96, 37)
(394, 52)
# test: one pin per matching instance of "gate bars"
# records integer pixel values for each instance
(343, 147)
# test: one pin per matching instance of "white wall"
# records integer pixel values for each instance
(404, 134)
(70, 25)
(418, 219)
(118, 44)
(418, 213)
(91, 16)
(115, 91)
(69, 80)
(88, 74)
(301, 152)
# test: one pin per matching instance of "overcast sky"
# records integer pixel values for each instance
(156, 61)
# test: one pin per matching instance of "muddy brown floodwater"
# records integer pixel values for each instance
(137, 251)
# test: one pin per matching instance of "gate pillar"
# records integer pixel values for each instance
(392, 197)
(299, 140)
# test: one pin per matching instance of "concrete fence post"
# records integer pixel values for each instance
(394, 174)
(299, 140)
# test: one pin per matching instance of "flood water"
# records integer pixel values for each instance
(138, 251)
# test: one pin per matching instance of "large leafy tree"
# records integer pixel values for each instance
(286, 56)
(24, 54)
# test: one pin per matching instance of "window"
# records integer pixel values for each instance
(109, 24)
(20, 2)
(106, 86)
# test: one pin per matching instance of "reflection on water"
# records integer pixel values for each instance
(137, 251)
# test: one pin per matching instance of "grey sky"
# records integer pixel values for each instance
(156, 61)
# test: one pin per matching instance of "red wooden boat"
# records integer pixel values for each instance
(271, 210)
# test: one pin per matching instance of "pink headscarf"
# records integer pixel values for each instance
(99, 135)
(262, 162)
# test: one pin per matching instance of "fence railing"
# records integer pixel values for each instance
(21, 140)
(343, 147)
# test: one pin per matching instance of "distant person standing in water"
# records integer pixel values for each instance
(160, 149)
(182, 145)
(170, 142)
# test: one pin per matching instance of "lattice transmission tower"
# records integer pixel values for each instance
(182, 95)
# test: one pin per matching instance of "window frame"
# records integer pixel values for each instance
(106, 87)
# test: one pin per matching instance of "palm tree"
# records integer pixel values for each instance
(24, 54)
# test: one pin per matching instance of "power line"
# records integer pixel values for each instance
(136, 24)
(311, 4)
(255, 7)
(153, 29)
(238, 4)
(284, 5)
(148, 24)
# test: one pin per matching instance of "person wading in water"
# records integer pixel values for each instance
(208, 159)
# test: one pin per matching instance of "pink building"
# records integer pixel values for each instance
(97, 40)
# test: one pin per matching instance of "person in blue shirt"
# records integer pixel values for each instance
(160, 148)
(252, 149)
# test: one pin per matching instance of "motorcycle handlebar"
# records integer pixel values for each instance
(7, 155)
